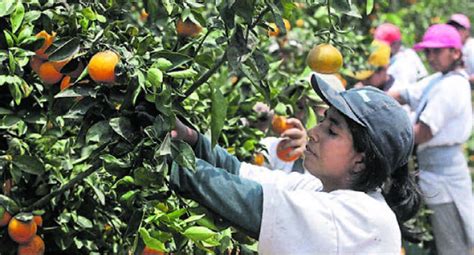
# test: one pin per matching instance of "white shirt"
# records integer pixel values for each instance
(448, 111)
(406, 66)
(468, 56)
(298, 218)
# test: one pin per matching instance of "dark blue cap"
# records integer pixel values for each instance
(387, 122)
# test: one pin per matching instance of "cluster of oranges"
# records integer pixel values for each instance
(101, 67)
(22, 228)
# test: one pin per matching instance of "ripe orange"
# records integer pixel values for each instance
(258, 159)
(33, 247)
(284, 154)
(149, 251)
(102, 66)
(21, 231)
(66, 82)
(187, 28)
(279, 124)
(5, 217)
(275, 31)
(48, 40)
(48, 73)
(299, 22)
(324, 58)
(35, 63)
(234, 79)
(38, 220)
(144, 15)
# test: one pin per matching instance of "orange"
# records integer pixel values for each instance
(38, 220)
(284, 154)
(48, 73)
(33, 247)
(258, 159)
(102, 66)
(66, 82)
(48, 40)
(149, 251)
(299, 22)
(187, 28)
(279, 124)
(144, 15)
(5, 218)
(21, 231)
(234, 79)
(35, 63)
(324, 58)
(275, 31)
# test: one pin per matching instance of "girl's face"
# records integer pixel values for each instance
(442, 59)
(330, 154)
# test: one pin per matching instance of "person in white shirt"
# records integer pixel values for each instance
(405, 65)
(442, 123)
(463, 25)
(356, 199)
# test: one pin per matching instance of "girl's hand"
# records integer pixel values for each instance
(184, 133)
(297, 137)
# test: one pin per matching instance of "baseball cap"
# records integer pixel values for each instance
(461, 19)
(388, 33)
(440, 36)
(386, 121)
(330, 79)
(379, 57)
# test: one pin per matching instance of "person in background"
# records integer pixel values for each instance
(356, 199)
(376, 73)
(463, 25)
(442, 122)
(405, 65)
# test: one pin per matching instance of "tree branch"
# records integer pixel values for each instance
(203, 78)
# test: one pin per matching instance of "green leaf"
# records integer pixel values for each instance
(168, 6)
(17, 16)
(7, 7)
(218, 114)
(115, 166)
(176, 58)
(183, 154)
(9, 38)
(83, 222)
(100, 132)
(184, 74)
(28, 164)
(89, 13)
(341, 5)
(155, 77)
(163, 64)
(10, 205)
(150, 241)
(369, 7)
(66, 50)
(9, 121)
(122, 126)
(198, 233)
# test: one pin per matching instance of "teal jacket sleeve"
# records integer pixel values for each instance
(218, 156)
(235, 199)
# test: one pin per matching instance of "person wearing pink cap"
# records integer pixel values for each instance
(442, 119)
(462, 24)
(405, 65)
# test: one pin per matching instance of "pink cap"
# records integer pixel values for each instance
(388, 33)
(440, 36)
(461, 19)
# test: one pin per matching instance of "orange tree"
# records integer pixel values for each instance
(90, 90)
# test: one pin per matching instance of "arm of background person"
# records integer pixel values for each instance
(422, 133)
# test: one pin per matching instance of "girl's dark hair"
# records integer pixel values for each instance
(399, 187)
